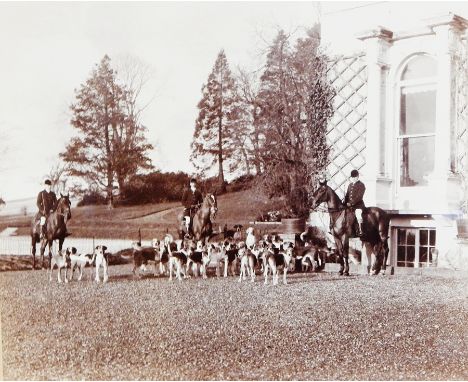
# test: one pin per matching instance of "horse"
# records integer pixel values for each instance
(202, 227)
(56, 229)
(375, 230)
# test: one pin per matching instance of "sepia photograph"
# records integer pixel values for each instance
(234, 190)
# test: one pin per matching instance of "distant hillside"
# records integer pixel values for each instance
(19, 206)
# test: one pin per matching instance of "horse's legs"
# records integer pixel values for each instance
(385, 257)
(50, 243)
(33, 251)
(345, 255)
(339, 251)
(43, 246)
(369, 248)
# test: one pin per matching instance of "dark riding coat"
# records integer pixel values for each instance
(190, 198)
(354, 195)
(46, 202)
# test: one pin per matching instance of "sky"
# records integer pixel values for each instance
(49, 49)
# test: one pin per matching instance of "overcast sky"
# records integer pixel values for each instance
(49, 49)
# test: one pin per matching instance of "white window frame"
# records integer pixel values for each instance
(417, 245)
(427, 83)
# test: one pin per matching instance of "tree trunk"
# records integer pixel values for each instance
(246, 160)
(110, 174)
(222, 186)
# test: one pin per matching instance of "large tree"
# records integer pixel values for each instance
(219, 114)
(296, 103)
(251, 136)
(110, 145)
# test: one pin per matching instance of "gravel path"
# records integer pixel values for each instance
(317, 327)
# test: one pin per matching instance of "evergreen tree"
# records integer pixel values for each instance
(296, 104)
(218, 117)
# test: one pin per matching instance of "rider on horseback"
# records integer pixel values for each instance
(46, 203)
(191, 200)
(353, 198)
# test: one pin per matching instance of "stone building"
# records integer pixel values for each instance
(402, 119)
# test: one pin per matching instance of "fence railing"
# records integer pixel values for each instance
(21, 245)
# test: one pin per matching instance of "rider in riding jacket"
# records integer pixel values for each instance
(353, 198)
(191, 200)
(46, 203)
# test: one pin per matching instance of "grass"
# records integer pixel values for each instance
(320, 326)
(124, 222)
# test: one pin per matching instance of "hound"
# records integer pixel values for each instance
(142, 255)
(248, 262)
(238, 234)
(230, 258)
(201, 258)
(62, 260)
(274, 261)
(102, 260)
(215, 256)
(177, 260)
(166, 246)
(79, 261)
(250, 240)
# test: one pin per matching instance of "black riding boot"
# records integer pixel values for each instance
(359, 229)
(43, 231)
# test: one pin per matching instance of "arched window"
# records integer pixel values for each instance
(416, 131)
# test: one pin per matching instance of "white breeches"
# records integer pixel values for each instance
(358, 215)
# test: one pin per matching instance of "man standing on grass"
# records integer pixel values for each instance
(191, 200)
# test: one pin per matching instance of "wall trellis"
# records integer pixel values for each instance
(461, 97)
(346, 132)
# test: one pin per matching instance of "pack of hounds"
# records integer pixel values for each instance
(236, 254)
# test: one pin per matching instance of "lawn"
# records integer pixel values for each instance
(152, 219)
(319, 326)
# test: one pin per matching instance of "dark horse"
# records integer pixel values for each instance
(202, 228)
(375, 229)
(56, 229)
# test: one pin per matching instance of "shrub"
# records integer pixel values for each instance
(92, 198)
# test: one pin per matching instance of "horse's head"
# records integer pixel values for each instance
(320, 195)
(211, 202)
(64, 206)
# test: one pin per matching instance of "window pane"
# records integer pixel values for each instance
(401, 253)
(423, 237)
(402, 236)
(420, 67)
(416, 160)
(432, 237)
(410, 256)
(423, 255)
(411, 239)
(417, 112)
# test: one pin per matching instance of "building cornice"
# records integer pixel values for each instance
(449, 19)
(377, 32)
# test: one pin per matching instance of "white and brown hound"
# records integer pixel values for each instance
(143, 255)
(62, 260)
(177, 261)
(230, 257)
(248, 262)
(274, 261)
(102, 260)
(250, 240)
(79, 260)
(238, 233)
